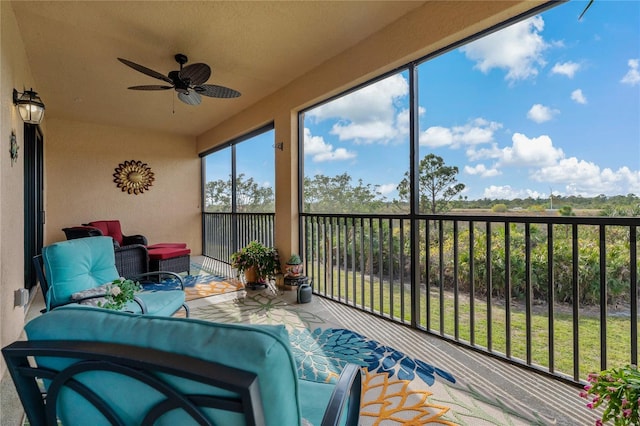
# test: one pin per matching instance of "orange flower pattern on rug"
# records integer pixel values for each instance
(386, 400)
(394, 386)
(213, 288)
(199, 286)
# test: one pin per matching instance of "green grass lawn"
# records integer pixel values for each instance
(359, 290)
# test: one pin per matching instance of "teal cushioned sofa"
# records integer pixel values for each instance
(277, 397)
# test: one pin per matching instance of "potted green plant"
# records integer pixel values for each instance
(294, 266)
(257, 261)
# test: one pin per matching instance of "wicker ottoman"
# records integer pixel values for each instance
(171, 259)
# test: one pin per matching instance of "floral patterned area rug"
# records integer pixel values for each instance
(201, 283)
(397, 389)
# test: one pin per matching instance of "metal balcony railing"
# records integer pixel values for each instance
(226, 233)
(556, 294)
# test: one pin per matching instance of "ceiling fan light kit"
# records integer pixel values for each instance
(188, 81)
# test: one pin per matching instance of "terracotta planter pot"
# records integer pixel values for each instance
(251, 275)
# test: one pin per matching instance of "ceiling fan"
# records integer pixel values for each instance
(188, 81)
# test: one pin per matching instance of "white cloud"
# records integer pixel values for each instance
(587, 179)
(506, 192)
(516, 49)
(548, 165)
(475, 132)
(387, 188)
(320, 151)
(369, 114)
(493, 151)
(632, 77)
(530, 152)
(481, 170)
(540, 113)
(567, 68)
(436, 136)
(578, 97)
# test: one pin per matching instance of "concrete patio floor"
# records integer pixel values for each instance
(506, 387)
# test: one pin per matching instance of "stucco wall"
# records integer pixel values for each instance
(80, 159)
(14, 72)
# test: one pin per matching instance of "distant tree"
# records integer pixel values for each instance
(566, 211)
(338, 194)
(499, 208)
(536, 208)
(217, 195)
(438, 184)
(250, 196)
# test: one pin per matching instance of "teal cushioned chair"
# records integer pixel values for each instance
(170, 371)
(82, 264)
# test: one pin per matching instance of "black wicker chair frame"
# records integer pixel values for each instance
(91, 231)
(132, 260)
(151, 367)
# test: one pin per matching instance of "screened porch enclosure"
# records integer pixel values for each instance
(239, 195)
(442, 196)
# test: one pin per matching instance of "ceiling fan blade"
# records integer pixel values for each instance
(215, 91)
(196, 73)
(190, 98)
(151, 87)
(145, 70)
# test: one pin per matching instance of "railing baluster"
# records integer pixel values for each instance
(603, 298)
(427, 263)
(528, 290)
(391, 305)
(633, 292)
(371, 276)
(353, 260)
(329, 250)
(380, 267)
(401, 270)
(339, 259)
(363, 264)
(576, 301)
(551, 293)
(489, 283)
(507, 288)
(472, 293)
(456, 290)
(441, 273)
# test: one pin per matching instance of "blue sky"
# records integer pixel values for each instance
(548, 104)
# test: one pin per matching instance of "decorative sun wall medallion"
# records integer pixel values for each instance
(133, 177)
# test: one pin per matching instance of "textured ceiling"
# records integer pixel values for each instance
(253, 47)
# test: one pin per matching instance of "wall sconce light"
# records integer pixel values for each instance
(30, 106)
